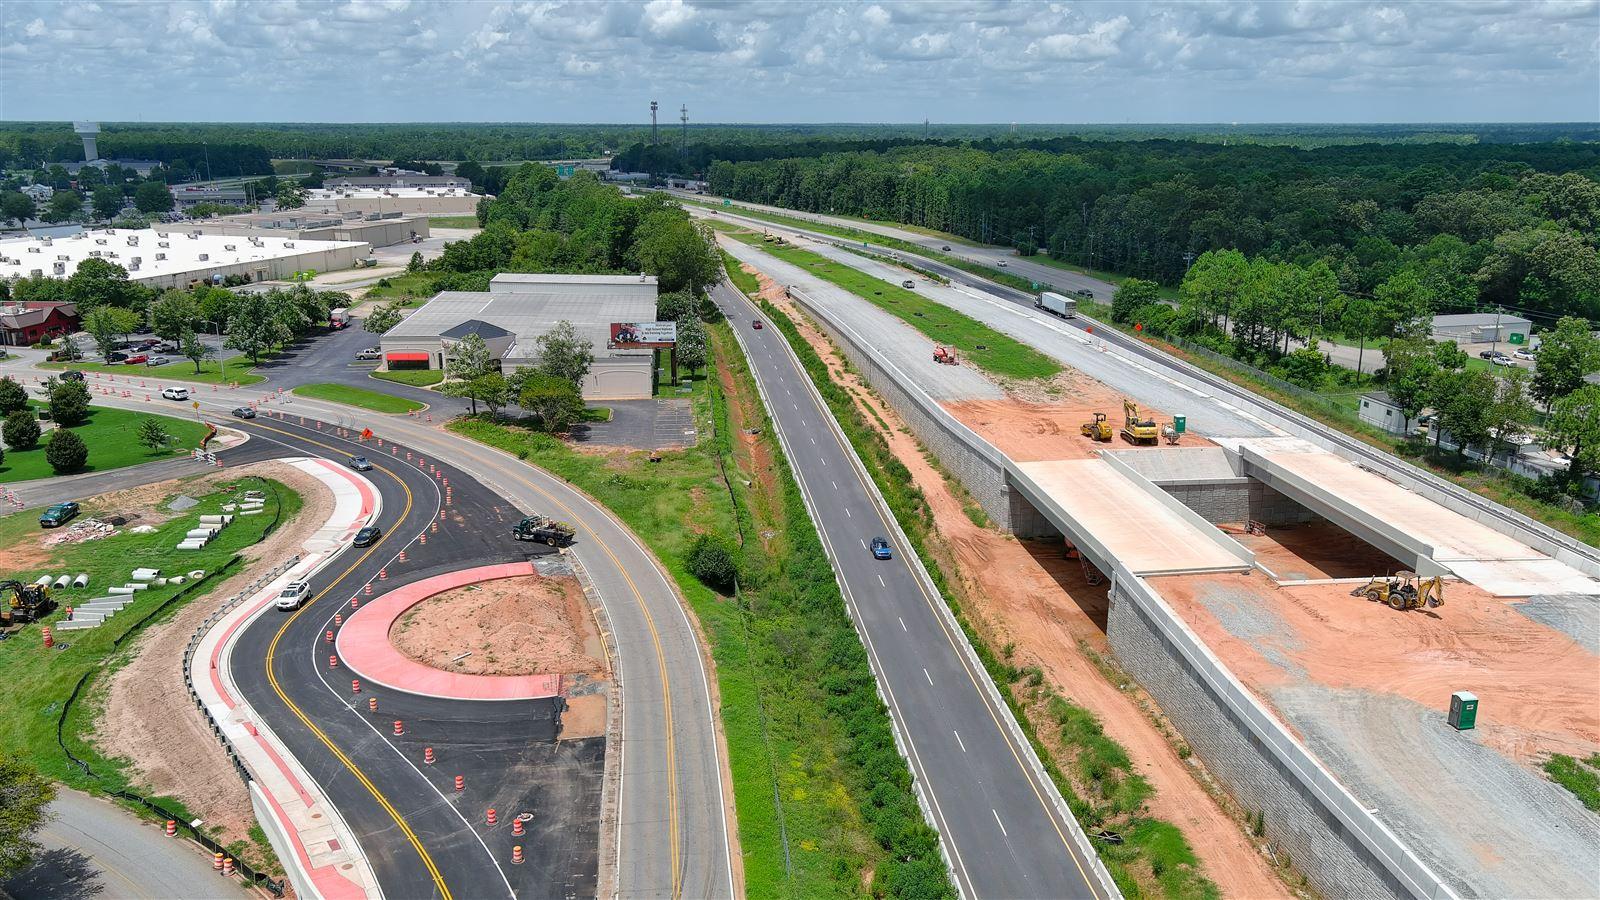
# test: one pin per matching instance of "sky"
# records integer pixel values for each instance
(773, 61)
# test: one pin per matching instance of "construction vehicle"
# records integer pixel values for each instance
(1404, 591)
(1098, 430)
(544, 530)
(28, 603)
(945, 355)
(1169, 433)
(1136, 430)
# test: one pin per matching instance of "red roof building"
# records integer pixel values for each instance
(24, 324)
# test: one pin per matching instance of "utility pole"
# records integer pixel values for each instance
(683, 142)
(1494, 342)
(1188, 260)
(655, 134)
(924, 129)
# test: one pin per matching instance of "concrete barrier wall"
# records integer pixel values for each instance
(1342, 848)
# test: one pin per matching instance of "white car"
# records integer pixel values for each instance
(1500, 359)
(175, 393)
(1524, 354)
(369, 353)
(293, 594)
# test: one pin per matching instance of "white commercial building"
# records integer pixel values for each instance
(517, 309)
(415, 201)
(1482, 328)
(167, 259)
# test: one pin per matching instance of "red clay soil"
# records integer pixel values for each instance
(1029, 431)
(1542, 685)
(1314, 550)
(1028, 594)
(512, 626)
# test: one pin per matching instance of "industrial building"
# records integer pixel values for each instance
(168, 259)
(397, 180)
(517, 309)
(1482, 328)
(414, 201)
(300, 224)
(187, 196)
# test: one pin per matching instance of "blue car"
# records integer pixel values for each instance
(881, 549)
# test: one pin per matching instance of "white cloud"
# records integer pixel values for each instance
(1100, 42)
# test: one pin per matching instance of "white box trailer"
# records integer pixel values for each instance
(1060, 305)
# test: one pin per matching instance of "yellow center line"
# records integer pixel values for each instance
(272, 678)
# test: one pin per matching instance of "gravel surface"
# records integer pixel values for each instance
(1575, 615)
(1492, 828)
(887, 334)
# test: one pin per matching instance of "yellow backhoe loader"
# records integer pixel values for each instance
(27, 603)
(1404, 591)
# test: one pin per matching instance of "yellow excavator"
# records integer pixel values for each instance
(1098, 430)
(1404, 591)
(1136, 430)
(27, 603)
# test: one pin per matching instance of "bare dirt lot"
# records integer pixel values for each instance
(147, 717)
(512, 626)
(1028, 594)
(1033, 431)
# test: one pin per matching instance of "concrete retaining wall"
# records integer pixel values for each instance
(1343, 849)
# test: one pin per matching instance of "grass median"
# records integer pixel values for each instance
(112, 436)
(413, 377)
(234, 369)
(358, 396)
(824, 801)
(984, 347)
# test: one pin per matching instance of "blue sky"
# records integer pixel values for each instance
(771, 61)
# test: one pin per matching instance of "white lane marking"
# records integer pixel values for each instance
(834, 483)
(813, 441)
(964, 749)
(848, 513)
(902, 624)
(880, 580)
(1000, 823)
(863, 540)
(927, 676)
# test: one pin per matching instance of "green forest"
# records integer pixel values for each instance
(1478, 224)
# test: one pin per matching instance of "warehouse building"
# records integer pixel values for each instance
(413, 201)
(517, 309)
(169, 259)
(1482, 328)
(188, 196)
(310, 225)
(397, 180)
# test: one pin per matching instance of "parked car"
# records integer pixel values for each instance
(157, 361)
(756, 324)
(1524, 353)
(58, 515)
(136, 359)
(167, 347)
(1488, 354)
(293, 595)
(881, 548)
(360, 464)
(1500, 359)
(72, 375)
(243, 412)
(175, 393)
(368, 536)
(369, 353)
(118, 356)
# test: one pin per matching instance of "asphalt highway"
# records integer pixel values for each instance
(1005, 829)
(423, 838)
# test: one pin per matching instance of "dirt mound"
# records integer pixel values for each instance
(512, 626)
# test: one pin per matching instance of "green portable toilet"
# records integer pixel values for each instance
(1180, 423)
(1463, 710)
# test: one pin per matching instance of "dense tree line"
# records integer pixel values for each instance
(1477, 224)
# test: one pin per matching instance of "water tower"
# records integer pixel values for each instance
(88, 131)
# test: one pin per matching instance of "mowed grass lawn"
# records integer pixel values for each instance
(355, 396)
(453, 222)
(413, 377)
(212, 371)
(112, 436)
(1001, 355)
(39, 681)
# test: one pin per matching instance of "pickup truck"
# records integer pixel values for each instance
(544, 530)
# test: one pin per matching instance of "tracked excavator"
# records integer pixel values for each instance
(27, 603)
(1404, 591)
(1136, 430)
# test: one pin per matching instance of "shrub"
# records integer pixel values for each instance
(66, 452)
(13, 396)
(712, 563)
(21, 430)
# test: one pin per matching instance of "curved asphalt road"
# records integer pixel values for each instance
(422, 837)
(1004, 827)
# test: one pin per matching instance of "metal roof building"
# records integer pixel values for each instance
(1481, 328)
(517, 309)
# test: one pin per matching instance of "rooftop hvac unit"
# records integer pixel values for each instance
(133, 240)
(36, 273)
(111, 254)
(192, 235)
(35, 250)
(99, 240)
(230, 246)
(63, 257)
(204, 257)
(48, 242)
(161, 256)
(133, 264)
(163, 243)
(95, 253)
(161, 234)
(288, 245)
(60, 267)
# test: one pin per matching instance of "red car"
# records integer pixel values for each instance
(136, 360)
(756, 324)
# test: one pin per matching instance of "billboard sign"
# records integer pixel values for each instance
(643, 335)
